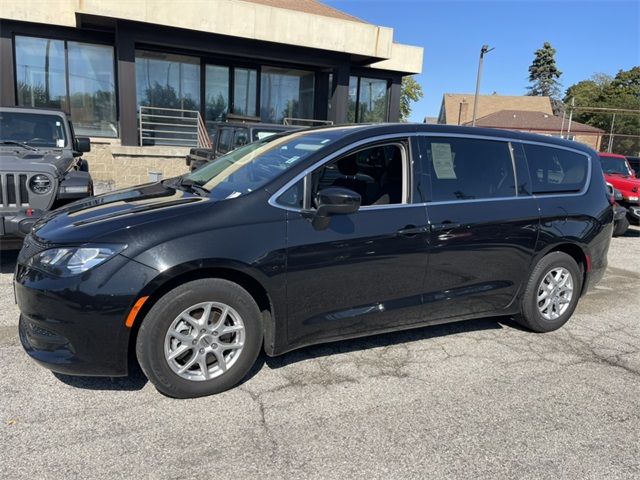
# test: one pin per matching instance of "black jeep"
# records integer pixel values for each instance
(227, 136)
(40, 168)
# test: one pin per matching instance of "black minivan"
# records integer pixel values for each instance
(313, 236)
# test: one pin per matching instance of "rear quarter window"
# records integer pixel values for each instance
(555, 170)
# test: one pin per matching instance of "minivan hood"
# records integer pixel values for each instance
(93, 217)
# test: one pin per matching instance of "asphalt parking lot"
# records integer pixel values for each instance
(480, 399)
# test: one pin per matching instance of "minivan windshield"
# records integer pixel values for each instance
(40, 130)
(613, 165)
(252, 166)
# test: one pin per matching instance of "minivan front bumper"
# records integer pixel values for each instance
(76, 325)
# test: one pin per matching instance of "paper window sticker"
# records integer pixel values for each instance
(60, 143)
(443, 161)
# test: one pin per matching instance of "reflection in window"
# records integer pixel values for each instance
(41, 72)
(285, 93)
(368, 100)
(42, 78)
(244, 91)
(169, 81)
(353, 99)
(466, 169)
(92, 90)
(372, 103)
(216, 92)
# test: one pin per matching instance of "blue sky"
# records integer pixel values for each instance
(589, 36)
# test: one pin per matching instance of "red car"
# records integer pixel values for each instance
(619, 173)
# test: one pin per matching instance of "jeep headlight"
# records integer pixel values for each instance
(40, 184)
(68, 261)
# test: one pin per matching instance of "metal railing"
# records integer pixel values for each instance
(172, 126)
(307, 122)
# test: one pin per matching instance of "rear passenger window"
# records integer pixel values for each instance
(555, 170)
(467, 168)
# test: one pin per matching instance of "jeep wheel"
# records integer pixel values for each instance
(200, 338)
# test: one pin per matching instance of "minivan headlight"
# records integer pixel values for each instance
(68, 261)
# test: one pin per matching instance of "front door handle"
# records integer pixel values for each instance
(441, 227)
(412, 230)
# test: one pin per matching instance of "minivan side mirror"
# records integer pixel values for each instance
(334, 201)
(83, 144)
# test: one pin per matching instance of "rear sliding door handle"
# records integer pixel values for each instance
(441, 227)
(411, 230)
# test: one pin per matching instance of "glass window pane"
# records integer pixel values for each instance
(353, 99)
(372, 105)
(92, 90)
(216, 93)
(169, 81)
(40, 72)
(464, 169)
(244, 91)
(555, 170)
(286, 93)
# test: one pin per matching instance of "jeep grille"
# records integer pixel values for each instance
(13, 190)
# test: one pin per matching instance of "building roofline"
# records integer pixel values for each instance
(236, 18)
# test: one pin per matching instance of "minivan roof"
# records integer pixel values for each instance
(375, 129)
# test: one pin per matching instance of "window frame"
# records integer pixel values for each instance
(359, 77)
(409, 171)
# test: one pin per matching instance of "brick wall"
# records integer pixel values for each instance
(113, 166)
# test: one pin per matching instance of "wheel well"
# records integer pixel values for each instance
(577, 254)
(251, 285)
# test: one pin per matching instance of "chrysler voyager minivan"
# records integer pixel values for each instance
(313, 236)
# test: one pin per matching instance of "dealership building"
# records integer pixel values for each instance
(141, 76)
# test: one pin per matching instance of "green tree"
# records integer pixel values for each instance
(544, 74)
(621, 91)
(411, 92)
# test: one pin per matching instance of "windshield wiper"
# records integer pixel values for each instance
(192, 186)
(23, 145)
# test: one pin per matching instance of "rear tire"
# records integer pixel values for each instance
(200, 338)
(547, 302)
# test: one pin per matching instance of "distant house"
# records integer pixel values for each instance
(457, 108)
(543, 124)
(522, 113)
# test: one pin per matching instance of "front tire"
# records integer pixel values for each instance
(552, 293)
(200, 338)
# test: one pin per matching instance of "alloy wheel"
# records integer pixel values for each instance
(204, 341)
(555, 293)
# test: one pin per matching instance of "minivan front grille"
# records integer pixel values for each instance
(13, 190)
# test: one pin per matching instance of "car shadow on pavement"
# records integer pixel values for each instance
(389, 339)
(631, 232)
(8, 260)
(134, 381)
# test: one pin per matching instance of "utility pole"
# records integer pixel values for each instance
(484, 50)
(573, 104)
(613, 121)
